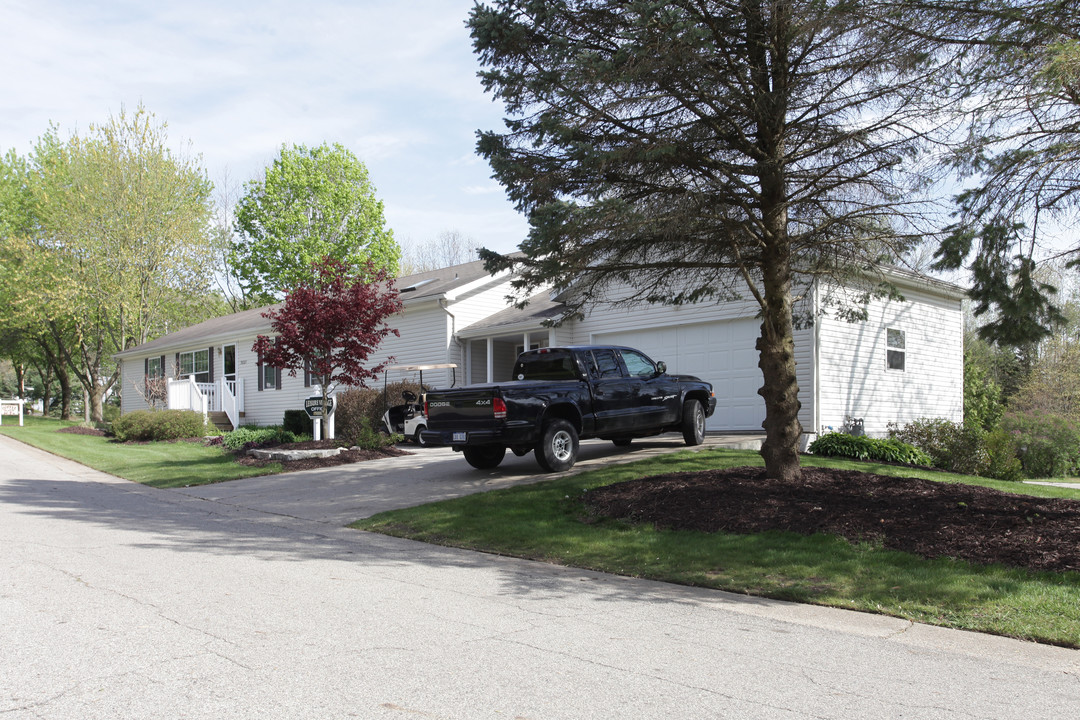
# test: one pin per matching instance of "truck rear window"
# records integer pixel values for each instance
(554, 365)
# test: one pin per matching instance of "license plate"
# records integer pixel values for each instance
(460, 437)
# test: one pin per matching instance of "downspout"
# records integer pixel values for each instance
(453, 338)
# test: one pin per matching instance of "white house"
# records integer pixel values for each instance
(905, 361)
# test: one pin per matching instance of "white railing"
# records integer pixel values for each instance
(225, 396)
(184, 394)
(230, 394)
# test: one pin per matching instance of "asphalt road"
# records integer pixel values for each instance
(244, 601)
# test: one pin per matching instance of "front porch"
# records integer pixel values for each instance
(223, 398)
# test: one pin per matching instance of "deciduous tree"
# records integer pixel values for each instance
(119, 243)
(694, 150)
(311, 203)
(331, 324)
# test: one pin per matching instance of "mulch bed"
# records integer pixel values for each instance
(82, 430)
(343, 458)
(926, 518)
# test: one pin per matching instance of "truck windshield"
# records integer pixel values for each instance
(552, 365)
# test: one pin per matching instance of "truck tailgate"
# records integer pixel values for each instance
(463, 408)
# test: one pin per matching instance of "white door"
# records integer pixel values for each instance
(722, 353)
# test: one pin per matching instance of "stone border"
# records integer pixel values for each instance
(273, 454)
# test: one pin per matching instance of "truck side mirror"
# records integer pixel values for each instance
(661, 367)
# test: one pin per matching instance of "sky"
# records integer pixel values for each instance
(394, 82)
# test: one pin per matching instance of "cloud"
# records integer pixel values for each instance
(395, 83)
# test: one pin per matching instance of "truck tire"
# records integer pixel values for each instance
(693, 422)
(558, 448)
(622, 442)
(417, 437)
(484, 457)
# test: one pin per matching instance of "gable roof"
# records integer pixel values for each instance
(411, 288)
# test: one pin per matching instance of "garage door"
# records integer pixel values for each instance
(722, 353)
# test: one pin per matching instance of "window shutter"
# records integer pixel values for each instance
(259, 372)
(307, 373)
(146, 366)
(163, 374)
(178, 366)
(210, 364)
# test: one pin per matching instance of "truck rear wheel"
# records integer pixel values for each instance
(558, 448)
(484, 457)
(693, 422)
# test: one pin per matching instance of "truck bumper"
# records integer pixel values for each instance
(507, 436)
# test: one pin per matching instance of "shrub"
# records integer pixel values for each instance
(1002, 458)
(1048, 445)
(159, 425)
(370, 439)
(247, 437)
(297, 422)
(951, 446)
(867, 448)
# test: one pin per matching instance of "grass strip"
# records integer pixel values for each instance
(157, 464)
(547, 521)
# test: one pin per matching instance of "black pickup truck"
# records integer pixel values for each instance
(561, 395)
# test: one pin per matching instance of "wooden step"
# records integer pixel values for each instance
(220, 420)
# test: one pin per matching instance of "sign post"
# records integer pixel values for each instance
(12, 407)
(313, 406)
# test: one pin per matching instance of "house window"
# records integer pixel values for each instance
(895, 352)
(270, 376)
(197, 363)
(154, 368)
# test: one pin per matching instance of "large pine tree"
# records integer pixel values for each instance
(702, 149)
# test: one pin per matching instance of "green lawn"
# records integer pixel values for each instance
(547, 521)
(158, 464)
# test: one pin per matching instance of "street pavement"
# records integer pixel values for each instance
(244, 601)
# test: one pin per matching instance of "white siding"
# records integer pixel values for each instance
(132, 372)
(424, 339)
(855, 382)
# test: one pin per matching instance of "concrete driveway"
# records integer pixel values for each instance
(342, 494)
(121, 601)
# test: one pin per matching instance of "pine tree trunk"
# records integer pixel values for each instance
(776, 346)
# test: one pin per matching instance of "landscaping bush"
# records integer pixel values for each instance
(356, 405)
(297, 422)
(867, 448)
(1002, 458)
(159, 425)
(1048, 445)
(247, 437)
(951, 446)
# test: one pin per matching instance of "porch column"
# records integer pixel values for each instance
(490, 359)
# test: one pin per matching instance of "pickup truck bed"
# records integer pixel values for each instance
(562, 395)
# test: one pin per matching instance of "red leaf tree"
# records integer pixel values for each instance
(331, 324)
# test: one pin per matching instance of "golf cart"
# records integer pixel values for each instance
(408, 419)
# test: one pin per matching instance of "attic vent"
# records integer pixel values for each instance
(416, 286)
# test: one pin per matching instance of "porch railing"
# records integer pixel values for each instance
(225, 396)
